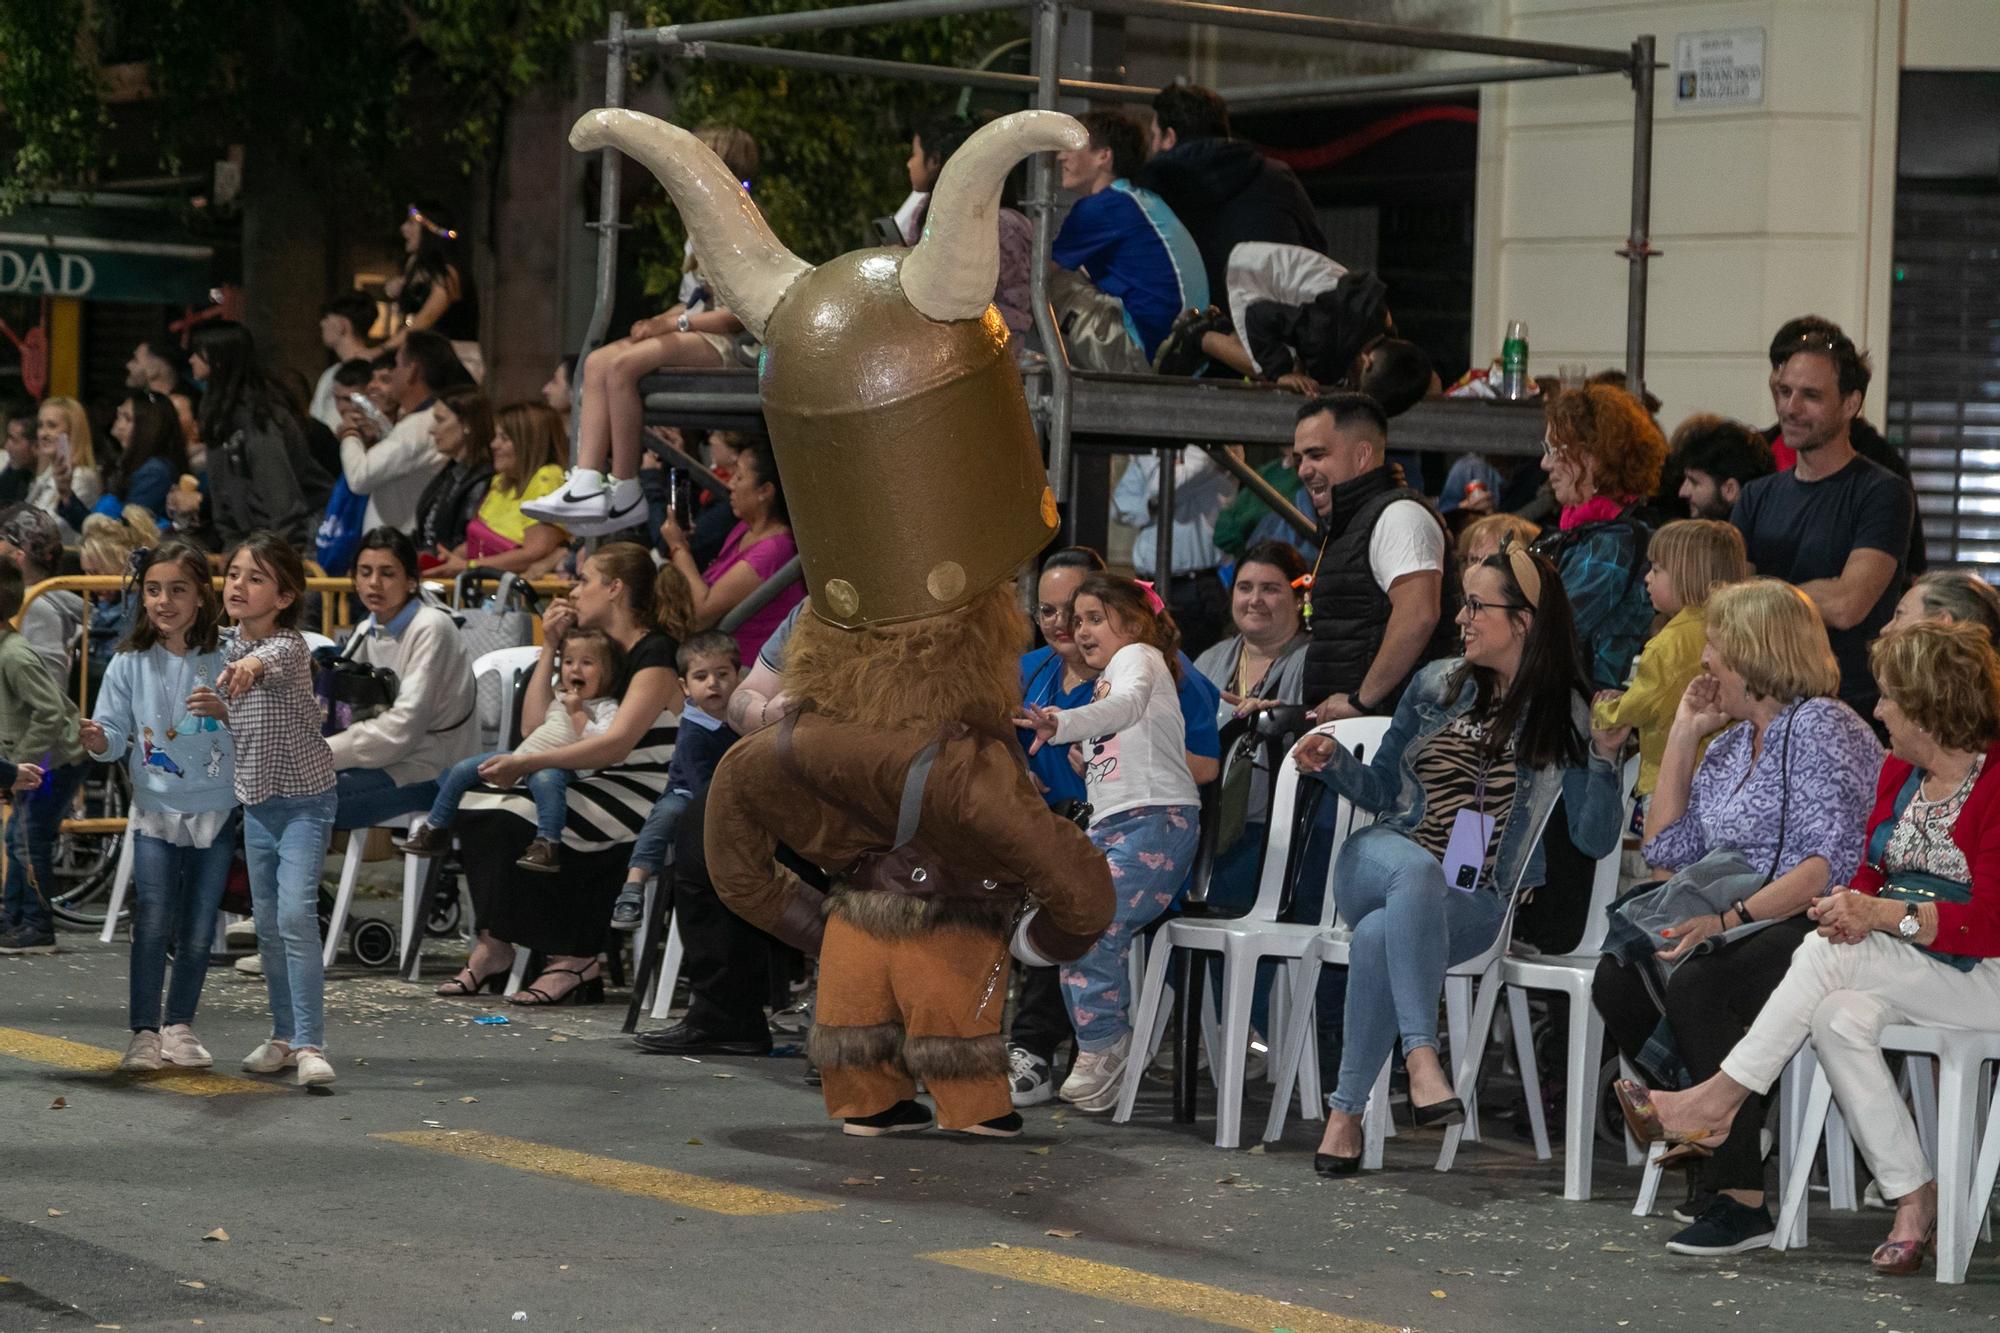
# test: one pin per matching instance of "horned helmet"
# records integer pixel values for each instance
(912, 472)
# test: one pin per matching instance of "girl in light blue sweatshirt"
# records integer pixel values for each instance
(183, 822)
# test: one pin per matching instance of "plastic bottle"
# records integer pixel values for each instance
(1514, 383)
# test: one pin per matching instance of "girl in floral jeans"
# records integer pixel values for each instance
(1146, 811)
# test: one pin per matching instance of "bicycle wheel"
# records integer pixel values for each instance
(86, 863)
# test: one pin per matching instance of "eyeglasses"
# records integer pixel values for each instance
(1048, 611)
(1475, 606)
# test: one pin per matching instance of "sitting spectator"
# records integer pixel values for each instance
(1603, 456)
(462, 434)
(386, 765)
(1471, 487)
(17, 468)
(1953, 597)
(1486, 536)
(931, 147)
(709, 666)
(343, 330)
(1223, 190)
(1688, 562)
(695, 332)
(1913, 941)
(434, 292)
(1192, 588)
(758, 547)
(712, 517)
(152, 456)
(1482, 743)
(31, 544)
(1774, 813)
(1835, 524)
(1716, 459)
(108, 546)
(39, 728)
(1126, 267)
(67, 482)
(395, 469)
(592, 671)
(260, 475)
(560, 392)
(527, 446)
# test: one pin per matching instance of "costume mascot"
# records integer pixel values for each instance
(916, 491)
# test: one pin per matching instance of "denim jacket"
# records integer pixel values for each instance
(1387, 785)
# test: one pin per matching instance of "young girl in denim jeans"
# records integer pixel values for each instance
(1145, 808)
(284, 778)
(183, 819)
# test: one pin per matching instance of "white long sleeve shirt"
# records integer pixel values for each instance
(393, 472)
(1135, 737)
(1201, 489)
(434, 722)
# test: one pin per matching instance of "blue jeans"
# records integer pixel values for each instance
(175, 891)
(31, 846)
(1409, 926)
(285, 841)
(1150, 850)
(368, 797)
(549, 787)
(656, 839)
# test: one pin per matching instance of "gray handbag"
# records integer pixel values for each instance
(504, 619)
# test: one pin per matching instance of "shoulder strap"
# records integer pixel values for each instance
(909, 812)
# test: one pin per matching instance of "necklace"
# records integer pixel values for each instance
(169, 693)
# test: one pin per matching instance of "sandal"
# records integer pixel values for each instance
(1643, 1119)
(468, 982)
(587, 990)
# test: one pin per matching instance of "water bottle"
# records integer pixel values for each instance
(1514, 362)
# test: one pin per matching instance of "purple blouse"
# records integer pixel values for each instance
(1821, 791)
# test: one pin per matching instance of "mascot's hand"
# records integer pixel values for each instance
(1024, 949)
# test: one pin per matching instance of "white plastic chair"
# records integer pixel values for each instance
(1792, 1088)
(1570, 974)
(121, 883)
(413, 893)
(668, 974)
(1243, 942)
(499, 680)
(1962, 1055)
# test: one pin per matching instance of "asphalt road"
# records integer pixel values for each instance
(543, 1174)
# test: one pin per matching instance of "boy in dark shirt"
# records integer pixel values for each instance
(710, 669)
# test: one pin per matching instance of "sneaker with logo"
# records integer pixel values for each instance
(1029, 1077)
(1094, 1079)
(624, 507)
(179, 1046)
(1725, 1227)
(580, 498)
(143, 1055)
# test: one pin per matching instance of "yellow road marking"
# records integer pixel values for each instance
(44, 1050)
(1147, 1291)
(635, 1178)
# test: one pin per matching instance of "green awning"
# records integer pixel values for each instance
(103, 252)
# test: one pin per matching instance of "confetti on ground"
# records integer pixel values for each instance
(217, 1234)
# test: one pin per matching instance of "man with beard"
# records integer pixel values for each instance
(1716, 458)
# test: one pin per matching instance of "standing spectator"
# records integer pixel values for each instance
(343, 330)
(758, 547)
(394, 471)
(1129, 268)
(1835, 525)
(260, 475)
(17, 470)
(67, 482)
(151, 453)
(31, 544)
(527, 449)
(1224, 191)
(462, 434)
(434, 292)
(1378, 585)
(1716, 458)
(1603, 456)
(39, 727)
(1193, 589)
(158, 364)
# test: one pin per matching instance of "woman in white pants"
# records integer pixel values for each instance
(1879, 957)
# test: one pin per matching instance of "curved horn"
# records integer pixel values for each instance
(952, 272)
(750, 268)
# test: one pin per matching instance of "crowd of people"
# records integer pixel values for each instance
(1744, 610)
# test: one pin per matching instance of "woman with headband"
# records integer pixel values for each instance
(1461, 787)
(434, 290)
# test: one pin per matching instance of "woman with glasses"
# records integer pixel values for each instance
(1461, 788)
(1782, 793)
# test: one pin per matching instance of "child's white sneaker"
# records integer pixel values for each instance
(143, 1055)
(1094, 1079)
(179, 1046)
(314, 1071)
(271, 1057)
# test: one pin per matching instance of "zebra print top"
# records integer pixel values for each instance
(1450, 768)
(608, 807)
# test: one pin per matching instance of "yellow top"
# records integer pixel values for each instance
(501, 509)
(1669, 661)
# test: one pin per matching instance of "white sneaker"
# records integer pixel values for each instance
(143, 1055)
(623, 506)
(241, 934)
(314, 1071)
(250, 965)
(1095, 1078)
(271, 1057)
(1028, 1077)
(580, 498)
(179, 1046)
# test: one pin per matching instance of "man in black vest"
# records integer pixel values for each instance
(1380, 600)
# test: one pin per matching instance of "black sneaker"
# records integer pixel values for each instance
(902, 1118)
(625, 913)
(1727, 1227)
(22, 939)
(1689, 1210)
(1000, 1127)
(1180, 351)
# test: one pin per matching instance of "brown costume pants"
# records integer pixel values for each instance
(894, 1010)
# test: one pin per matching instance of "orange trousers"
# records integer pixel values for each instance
(894, 1010)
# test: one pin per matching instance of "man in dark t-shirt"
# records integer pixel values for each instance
(1835, 525)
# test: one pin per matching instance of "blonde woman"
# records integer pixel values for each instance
(108, 544)
(526, 451)
(1784, 790)
(67, 482)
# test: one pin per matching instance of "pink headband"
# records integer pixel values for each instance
(1152, 598)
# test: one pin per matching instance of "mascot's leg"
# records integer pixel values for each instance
(954, 1043)
(857, 1035)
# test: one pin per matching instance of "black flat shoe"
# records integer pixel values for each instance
(680, 1039)
(1333, 1164)
(1450, 1111)
(1000, 1127)
(904, 1117)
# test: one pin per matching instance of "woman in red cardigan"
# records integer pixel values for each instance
(1880, 958)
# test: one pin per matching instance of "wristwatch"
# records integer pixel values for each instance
(1909, 927)
(681, 322)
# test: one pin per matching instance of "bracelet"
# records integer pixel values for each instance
(1743, 912)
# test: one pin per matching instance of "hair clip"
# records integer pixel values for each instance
(1152, 597)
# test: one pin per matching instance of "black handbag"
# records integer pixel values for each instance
(349, 691)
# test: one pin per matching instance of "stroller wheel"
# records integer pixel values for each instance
(374, 944)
